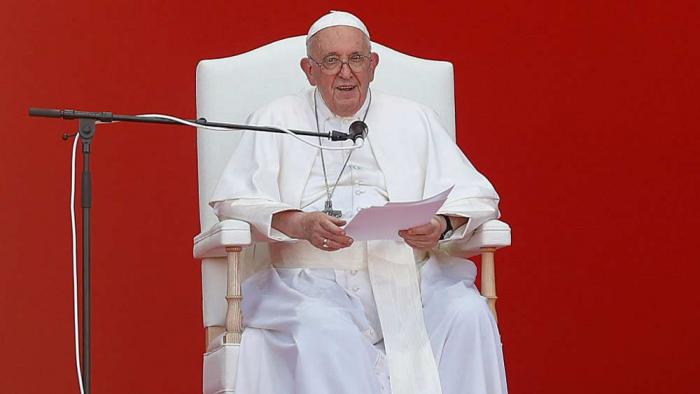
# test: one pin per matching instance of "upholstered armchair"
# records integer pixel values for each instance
(228, 90)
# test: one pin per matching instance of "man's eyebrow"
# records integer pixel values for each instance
(337, 54)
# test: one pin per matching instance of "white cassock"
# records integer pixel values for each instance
(376, 317)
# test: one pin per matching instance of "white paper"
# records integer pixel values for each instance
(384, 222)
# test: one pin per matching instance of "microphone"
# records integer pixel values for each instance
(358, 130)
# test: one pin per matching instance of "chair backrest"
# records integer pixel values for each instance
(229, 89)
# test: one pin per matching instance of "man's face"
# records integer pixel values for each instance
(345, 91)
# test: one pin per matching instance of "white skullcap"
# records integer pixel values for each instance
(337, 18)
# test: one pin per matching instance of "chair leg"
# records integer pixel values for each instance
(234, 321)
(488, 278)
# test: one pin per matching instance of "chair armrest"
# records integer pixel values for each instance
(492, 234)
(213, 242)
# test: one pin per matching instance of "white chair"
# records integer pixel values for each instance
(228, 90)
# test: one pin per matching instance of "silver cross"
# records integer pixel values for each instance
(328, 210)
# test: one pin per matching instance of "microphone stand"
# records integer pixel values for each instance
(87, 122)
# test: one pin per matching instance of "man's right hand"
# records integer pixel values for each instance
(314, 227)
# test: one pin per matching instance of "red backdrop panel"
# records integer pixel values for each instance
(582, 113)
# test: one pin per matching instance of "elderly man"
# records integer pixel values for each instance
(325, 314)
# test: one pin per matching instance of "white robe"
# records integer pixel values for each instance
(270, 173)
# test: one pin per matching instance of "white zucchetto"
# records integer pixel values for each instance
(337, 18)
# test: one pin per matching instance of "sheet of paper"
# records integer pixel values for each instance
(384, 222)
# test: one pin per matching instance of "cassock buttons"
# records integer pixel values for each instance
(356, 288)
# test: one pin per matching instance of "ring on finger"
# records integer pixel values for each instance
(325, 243)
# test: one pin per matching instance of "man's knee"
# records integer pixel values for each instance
(329, 344)
(468, 310)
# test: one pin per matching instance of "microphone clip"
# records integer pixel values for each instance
(335, 135)
(358, 129)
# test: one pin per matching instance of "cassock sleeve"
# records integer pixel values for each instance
(473, 195)
(248, 189)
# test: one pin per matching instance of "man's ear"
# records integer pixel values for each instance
(374, 61)
(307, 67)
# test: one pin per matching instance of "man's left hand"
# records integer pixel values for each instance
(425, 236)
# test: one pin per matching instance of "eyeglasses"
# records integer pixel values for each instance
(332, 64)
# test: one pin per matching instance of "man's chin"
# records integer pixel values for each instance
(347, 106)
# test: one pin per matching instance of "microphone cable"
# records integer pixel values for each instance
(75, 265)
(214, 128)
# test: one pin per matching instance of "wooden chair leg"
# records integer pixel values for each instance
(234, 320)
(488, 278)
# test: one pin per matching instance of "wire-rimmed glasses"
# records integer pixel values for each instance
(332, 64)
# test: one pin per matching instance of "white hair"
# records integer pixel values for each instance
(311, 40)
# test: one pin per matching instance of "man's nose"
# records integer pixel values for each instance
(345, 71)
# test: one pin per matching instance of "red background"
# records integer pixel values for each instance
(584, 115)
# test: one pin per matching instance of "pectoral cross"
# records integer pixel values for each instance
(328, 210)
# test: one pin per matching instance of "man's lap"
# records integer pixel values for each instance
(320, 328)
(285, 300)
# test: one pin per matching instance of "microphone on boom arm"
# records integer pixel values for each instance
(358, 129)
